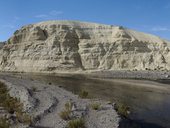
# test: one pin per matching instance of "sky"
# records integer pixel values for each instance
(150, 16)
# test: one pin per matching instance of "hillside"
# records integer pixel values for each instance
(69, 46)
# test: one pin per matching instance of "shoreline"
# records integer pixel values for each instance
(46, 101)
(128, 85)
(115, 74)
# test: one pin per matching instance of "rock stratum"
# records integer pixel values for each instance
(56, 46)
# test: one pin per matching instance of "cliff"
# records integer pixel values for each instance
(56, 46)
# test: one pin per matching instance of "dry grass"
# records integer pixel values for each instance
(65, 114)
(95, 106)
(76, 123)
(83, 94)
(122, 109)
(24, 118)
(4, 123)
(68, 106)
(13, 105)
(34, 89)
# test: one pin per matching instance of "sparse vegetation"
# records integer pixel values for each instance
(12, 105)
(83, 94)
(95, 106)
(4, 123)
(23, 118)
(9, 103)
(34, 89)
(76, 123)
(122, 109)
(110, 102)
(68, 106)
(65, 114)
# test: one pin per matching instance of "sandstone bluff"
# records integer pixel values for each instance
(57, 46)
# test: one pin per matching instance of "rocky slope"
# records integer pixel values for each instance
(55, 46)
(2, 44)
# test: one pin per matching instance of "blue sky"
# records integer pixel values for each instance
(151, 16)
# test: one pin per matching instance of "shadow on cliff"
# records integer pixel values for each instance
(128, 123)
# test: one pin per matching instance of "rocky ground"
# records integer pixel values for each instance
(45, 102)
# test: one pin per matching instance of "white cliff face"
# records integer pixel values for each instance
(55, 46)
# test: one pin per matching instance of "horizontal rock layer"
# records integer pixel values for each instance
(54, 46)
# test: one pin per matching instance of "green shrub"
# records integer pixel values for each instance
(76, 123)
(83, 94)
(9, 103)
(95, 106)
(23, 118)
(34, 89)
(68, 106)
(13, 105)
(4, 123)
(65, 114)
(122, 109)
(3, 93)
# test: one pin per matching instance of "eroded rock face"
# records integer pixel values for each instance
(71, 46)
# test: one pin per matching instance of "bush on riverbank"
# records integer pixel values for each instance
(95, 106)
(4, 123)
(83, 94)
(122, 109)
(65, 114)
(12, 105)
(76, 123)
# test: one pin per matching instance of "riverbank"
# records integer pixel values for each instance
(46, 102)
(116, 74)
(123, 74)
(147, 98)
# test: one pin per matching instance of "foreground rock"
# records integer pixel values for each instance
(55, 46)
(45, 103)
